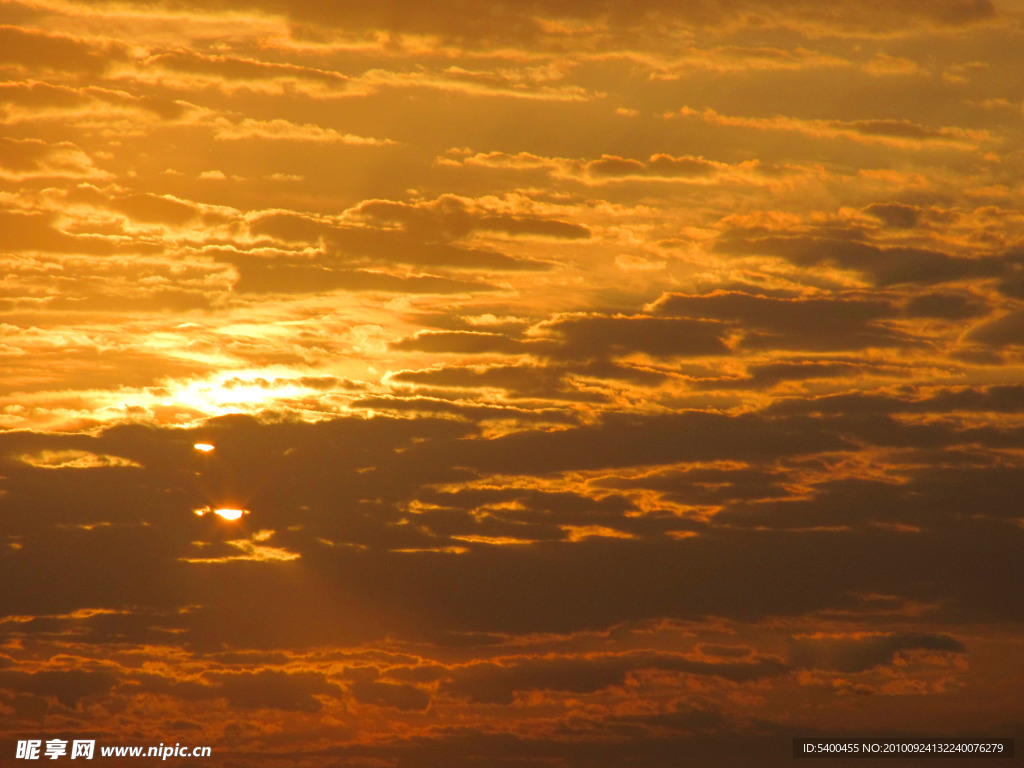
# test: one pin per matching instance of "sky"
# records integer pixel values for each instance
(597, 383)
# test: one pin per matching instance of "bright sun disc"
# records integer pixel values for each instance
(204, 447)
(224, 512)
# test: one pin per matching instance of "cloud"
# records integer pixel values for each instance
(250, 550)
(407, 698)
(497, 683)
(22, 231)
(274, 690)
(547, 22)
(34, 48)
(659, 166)
(258, 276)
(449, 217)
(700, 485)
(69, 687)
(841, 323)
(280, 129)
(469, 411)
(1007, 398)
(23, 159)
(1001, 332)
(596, 336)
(384, 245)
(767, 375)
(235, 68)
(36, 101)
(156, 208)
(81, 282)
(461, 342)
(946, 306)
(521, 380)
(622, 440)
(587, 430)
(73, 458)
(886, 266)
(894, 215)
(902, 134)
(857, 654)
(38, 94)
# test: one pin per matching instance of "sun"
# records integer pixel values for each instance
(227, 513)
(239, 392)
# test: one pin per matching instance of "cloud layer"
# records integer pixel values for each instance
(594, 382)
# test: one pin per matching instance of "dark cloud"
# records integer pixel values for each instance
(462, 342)
(469, 412)
(925, 500)
(398, 247)
(69, 687)
(622, 440)
(451, 218)
(1005, 398)
(263, 276)
(771, 374)
(688, 737)
(1012, 283)
(521, 381)
(895, 215)
(383, 245)
(497, 683)
(598, 336)
(587, 341)
(275, 690)
(340, 493)
(946, 306)
(605, 369)
(857, 654)
(528, 515)
(812, 324)
(886, 265)
(706, 486)
(1007, 330)
(407, 698)
(286, 456)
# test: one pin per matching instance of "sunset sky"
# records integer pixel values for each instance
(606, 382)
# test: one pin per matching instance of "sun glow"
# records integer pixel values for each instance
(204, 447)
(238, 392)
(227, 513)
